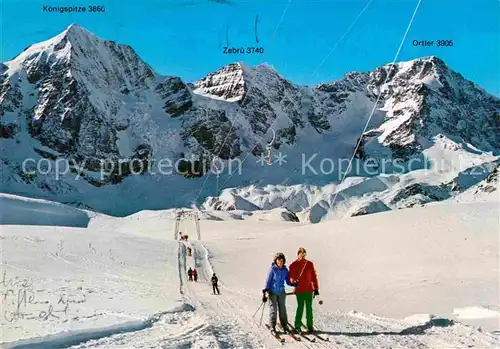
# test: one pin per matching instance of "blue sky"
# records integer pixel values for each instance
(186, 37)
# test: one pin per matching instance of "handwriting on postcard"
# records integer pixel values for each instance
(20, 301)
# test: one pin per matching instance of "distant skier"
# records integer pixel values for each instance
(215, 281)
(275, 288)
(304, 274)
(195, 275)
(190, 274)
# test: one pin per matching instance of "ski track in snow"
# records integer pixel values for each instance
(204, 320)
(227, 311)
(229, 314)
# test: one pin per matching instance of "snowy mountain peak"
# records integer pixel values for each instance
(80, 51)
(78, 82)
(227, 83)
(430, 71)
(79, 96)
(239, 82)
(57, 48)
(75, 28)
(434, 60)
(79, 36)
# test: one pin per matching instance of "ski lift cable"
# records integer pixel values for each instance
(241, 104)
(291, 100)
(258, 142)
(341, 38)
(281, 20)
(217, 156)
(255, 29)
(378, 99)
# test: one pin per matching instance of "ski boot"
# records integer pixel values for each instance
(273, 331)
(295, 330)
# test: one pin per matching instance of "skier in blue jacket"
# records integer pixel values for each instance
(275, 289)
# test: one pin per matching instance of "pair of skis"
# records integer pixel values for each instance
(276, 335)
(298, 337)
(293, 335)
(314, 333)
(279, 337)
(311, 336)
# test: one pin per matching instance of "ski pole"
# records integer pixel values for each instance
(261, 304)
(261, 315)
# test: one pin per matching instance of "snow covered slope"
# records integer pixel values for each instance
(429, 276)
(486, 190)
(453, 173)
(25, 211)
(99, 122)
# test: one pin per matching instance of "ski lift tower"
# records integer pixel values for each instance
(181, 215)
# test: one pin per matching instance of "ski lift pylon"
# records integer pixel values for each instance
(268, 147)
(190, 215)
(269, 155)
